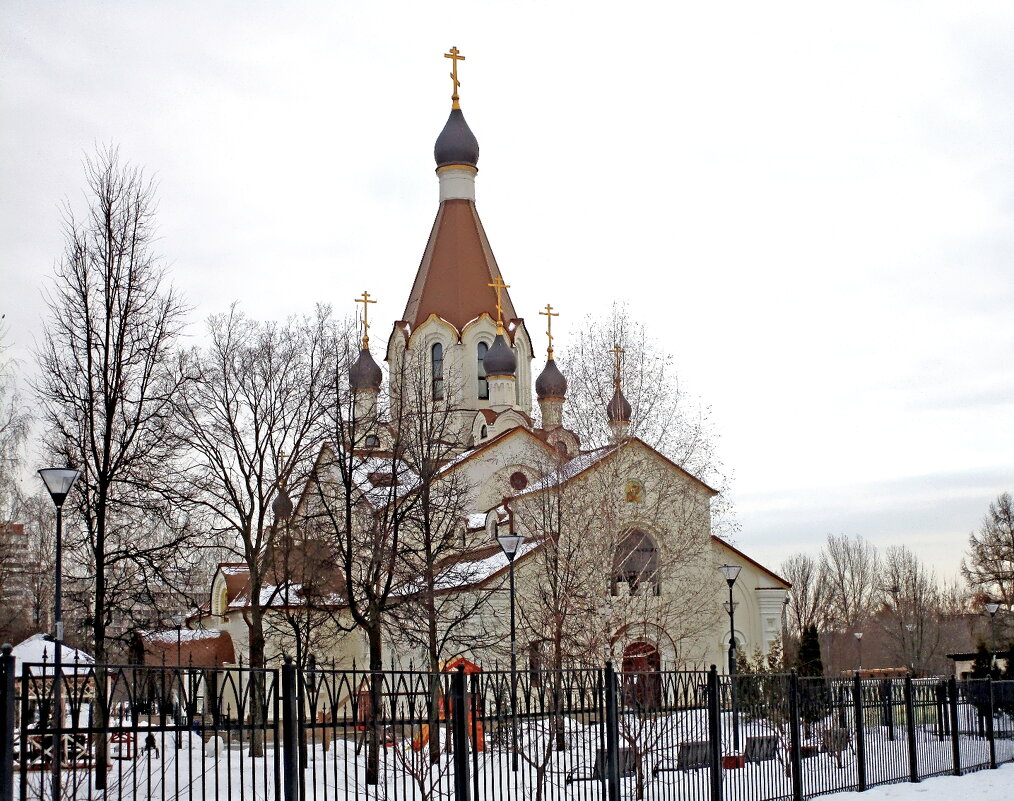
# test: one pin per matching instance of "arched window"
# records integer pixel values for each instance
(437, 365)
(635, 565)
(483, 433)
(480, 351)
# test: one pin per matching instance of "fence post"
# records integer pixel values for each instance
(952, 698)
(795, 752)
(7, 724)
(989, 725)
(857, 703)
(459, 735)
(290, 748)
(612, 736)
(715, 734)
(913, 756)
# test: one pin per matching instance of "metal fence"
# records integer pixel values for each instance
(129, 732)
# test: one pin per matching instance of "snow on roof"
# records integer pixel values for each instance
(466, 572)
(477, 520)
(40, 649)
(182, 635)
(568, 470)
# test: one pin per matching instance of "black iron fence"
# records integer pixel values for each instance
(129, 732)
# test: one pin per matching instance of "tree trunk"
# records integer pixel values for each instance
(374, 727)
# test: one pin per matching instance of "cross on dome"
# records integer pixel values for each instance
(499, 285)
(617, 352)
(365, 300)
(549, 314)
(455, 56)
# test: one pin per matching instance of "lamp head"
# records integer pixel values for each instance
(731, 573)
(858, 635)
(58, 481)
(510, 544)
(992, 607)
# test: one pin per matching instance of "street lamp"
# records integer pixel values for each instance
(911, 628)
(510, 544)
(859, 645)
(731, 573)
(58, 481)
(992, 607)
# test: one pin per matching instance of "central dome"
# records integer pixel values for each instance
(456, 143)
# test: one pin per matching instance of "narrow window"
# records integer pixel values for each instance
(437, 359)
(483, 383)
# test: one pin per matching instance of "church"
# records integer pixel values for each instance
(540, 550)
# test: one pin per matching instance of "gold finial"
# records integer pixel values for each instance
(499, 285)
(365, 300)
(617, 352)
(549, 314)
(455, 56)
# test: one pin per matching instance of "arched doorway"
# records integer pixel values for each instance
(642, 682)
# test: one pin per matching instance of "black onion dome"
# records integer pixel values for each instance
(456, 143)
(618, 408)
(365, 373)
(281, 506)
(499, 359)
(551, 383)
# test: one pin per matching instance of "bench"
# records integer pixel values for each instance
(761, 749)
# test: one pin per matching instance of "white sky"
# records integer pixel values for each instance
(810, 205)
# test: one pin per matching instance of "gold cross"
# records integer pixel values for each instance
(365, 300)
(549, 314)
(455, 57)
(617, 352)
(498, 285)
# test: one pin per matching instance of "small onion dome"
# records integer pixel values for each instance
(618, 408)
(499, 359)
(281, 506)
(551, 383)
(365, 373)
(456, 143)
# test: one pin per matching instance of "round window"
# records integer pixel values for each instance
(519, 480)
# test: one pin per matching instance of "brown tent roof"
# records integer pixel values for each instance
(195, 647)
(456, 270)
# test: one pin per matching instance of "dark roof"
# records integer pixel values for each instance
(551, 382)
(456, 143)
(500, 359)
(365, 373)
(618, 408)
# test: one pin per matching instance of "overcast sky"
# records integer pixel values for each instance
(811, 209)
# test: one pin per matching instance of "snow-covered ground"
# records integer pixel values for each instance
(983, 785)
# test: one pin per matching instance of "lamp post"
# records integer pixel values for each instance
(58, 481)
(731, 573)
(992, 607)
(510, 544)
(859, 645)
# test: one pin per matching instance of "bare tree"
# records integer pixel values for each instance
(808, 600)
(989, 566)
(912, 608)
(851, 569)
(250, 422)
(14, 422)
(106, 383)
